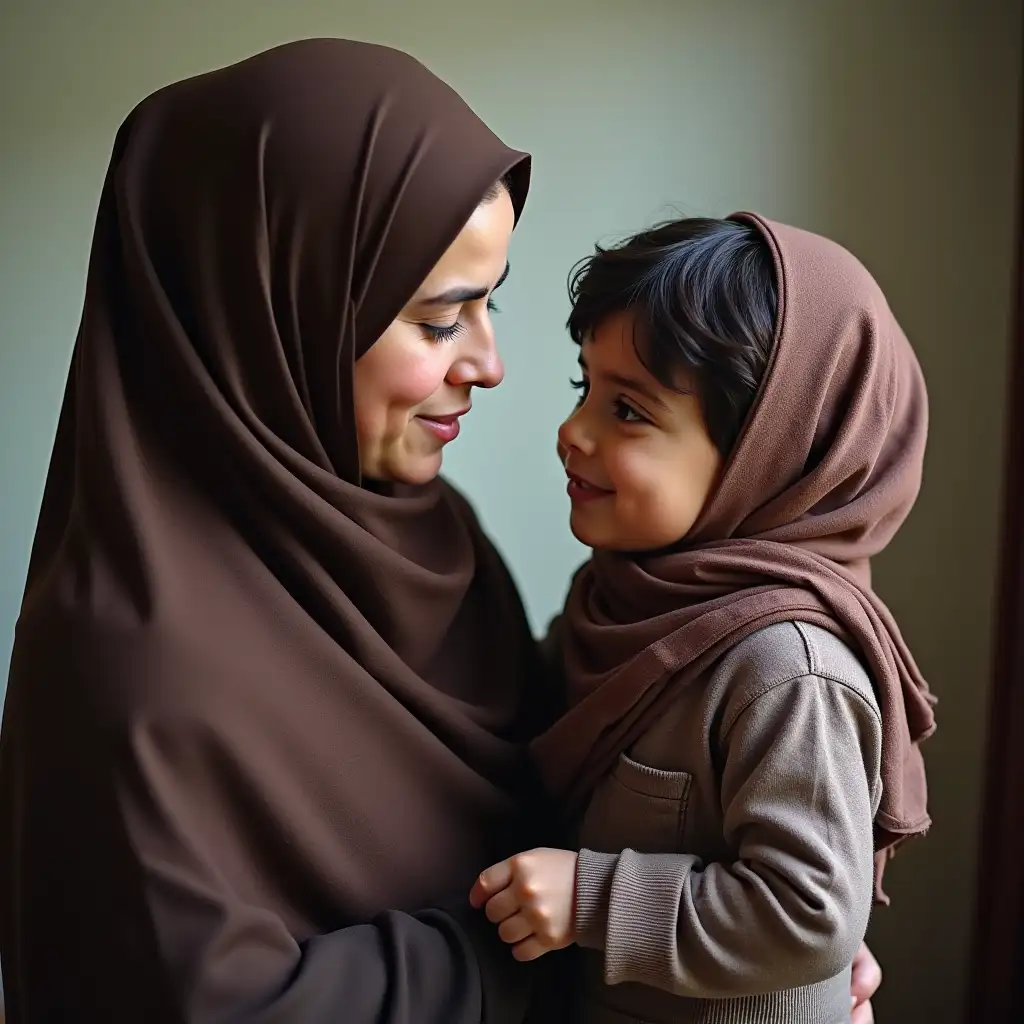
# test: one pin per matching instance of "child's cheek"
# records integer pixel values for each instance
(629, 469)
(640, 489)
(641, 467)
(657, 502)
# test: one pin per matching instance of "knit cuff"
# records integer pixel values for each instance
(642, 942)
(594, 872)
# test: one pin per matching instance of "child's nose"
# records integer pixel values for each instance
(573, 434)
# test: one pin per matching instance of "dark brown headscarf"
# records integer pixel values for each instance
(826, 470)
(252, 703)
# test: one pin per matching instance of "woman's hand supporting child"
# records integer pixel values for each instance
(530, 898)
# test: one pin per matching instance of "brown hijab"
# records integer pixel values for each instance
(253, 705)
(826, 470)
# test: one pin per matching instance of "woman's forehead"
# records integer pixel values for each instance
(478, 256)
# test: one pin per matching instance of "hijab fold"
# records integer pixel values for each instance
(826, 470)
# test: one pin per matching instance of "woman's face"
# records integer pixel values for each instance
(414, 383)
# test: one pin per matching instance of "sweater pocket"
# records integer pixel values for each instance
(638, 808)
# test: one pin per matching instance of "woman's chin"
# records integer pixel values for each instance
(418, 471)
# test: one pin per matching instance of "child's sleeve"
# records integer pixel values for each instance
(799, 792)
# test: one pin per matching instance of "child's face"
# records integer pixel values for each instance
(638, 456)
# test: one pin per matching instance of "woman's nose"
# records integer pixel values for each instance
(478, 363)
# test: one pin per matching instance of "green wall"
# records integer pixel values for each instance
(891, 126)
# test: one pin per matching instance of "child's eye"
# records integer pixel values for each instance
(439, 332)
(582, 387)
(626, 413)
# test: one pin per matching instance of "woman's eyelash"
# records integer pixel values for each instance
(439, 333)
(577, 385)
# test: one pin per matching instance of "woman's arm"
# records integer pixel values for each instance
(432, 966)
(118, 908)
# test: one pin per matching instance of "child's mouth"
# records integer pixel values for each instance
(581, 491)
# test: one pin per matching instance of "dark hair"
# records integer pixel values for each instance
(503, 184)
(705, 299)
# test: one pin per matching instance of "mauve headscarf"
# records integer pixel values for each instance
(253, 706)
(826, 470)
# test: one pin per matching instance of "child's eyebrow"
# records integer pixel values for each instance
(637, 386)
(630, 384)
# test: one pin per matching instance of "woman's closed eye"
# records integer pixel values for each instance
(444, 332)
(447, 332)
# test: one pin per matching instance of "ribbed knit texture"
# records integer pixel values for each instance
(594, 873)
(825, 1003)
(645, 888)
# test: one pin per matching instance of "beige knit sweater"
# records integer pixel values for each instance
(725, 874)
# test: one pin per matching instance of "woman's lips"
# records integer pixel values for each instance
(445, 428)
(582, 491)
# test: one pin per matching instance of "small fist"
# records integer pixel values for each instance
(530, 898)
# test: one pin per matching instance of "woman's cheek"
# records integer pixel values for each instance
(419, 376)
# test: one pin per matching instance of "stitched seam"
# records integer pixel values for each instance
(809, 648)
(757, 695)
(821, 672)
(684, 781)
(684, 806)
(821, 676)
(809, 670)
(875, 713)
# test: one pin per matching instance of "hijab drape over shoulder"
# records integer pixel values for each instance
(826, 471)
(254, 706)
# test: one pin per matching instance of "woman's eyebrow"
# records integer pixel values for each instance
(455, 296)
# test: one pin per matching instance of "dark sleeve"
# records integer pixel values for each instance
(399, 969)
(115, 909)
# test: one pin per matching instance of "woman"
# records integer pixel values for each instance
(270, 683)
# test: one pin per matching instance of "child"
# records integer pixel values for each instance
(743, 717)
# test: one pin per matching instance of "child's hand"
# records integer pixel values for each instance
(530, 898)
